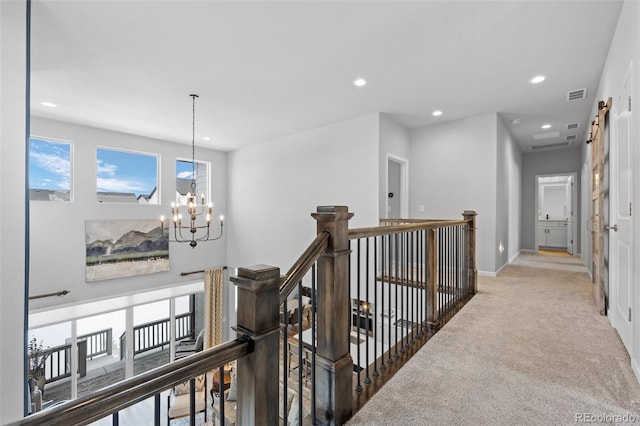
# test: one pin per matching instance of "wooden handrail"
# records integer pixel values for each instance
(391, 220)
(121, 395)
(376, 231)
(303, 264)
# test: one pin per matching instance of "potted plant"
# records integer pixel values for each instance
(37, 357)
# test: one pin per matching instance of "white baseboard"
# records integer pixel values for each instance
(515, 256)
(635, 366)
(501, 268)
(528, 251)
(487, 274)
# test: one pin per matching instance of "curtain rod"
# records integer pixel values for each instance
(184, 274)
(59, 293)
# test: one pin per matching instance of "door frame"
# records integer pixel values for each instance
(574, 206)
(614, 284)
(404, 185)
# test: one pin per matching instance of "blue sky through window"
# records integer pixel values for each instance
(49, 165)
(126, 172)
(184, 169)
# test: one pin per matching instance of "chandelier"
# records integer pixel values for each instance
(194, 206)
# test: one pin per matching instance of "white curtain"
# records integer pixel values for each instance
(213, 279)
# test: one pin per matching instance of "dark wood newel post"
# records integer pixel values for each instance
(334, 374)
(470, 254)
(258, 320)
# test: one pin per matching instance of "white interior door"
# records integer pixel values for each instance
(394, 185)
(397, 187)
(620, 228)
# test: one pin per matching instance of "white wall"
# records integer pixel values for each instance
(545, 163)
(57, 229)
(453, 169)
(508, 200)
(275, 186)
(625, 47)
(12, 211)
(395, 139)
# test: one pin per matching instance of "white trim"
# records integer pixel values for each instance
(404, 185)
(635, 366)
(88, 308)
(515, 256)
(487, 274)
(500, 269)
(574, 207)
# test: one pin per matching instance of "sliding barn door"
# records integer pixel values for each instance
(597, 205)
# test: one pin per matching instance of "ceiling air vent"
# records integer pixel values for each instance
(548, 135)
(550, 146)
(571, 137)
(574, 95)
(573, 126)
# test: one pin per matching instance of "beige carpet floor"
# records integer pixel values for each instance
(528, 349)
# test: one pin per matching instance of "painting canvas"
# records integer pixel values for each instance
(123, 248)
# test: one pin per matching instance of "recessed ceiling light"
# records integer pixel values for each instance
(206, 138)
(436, 113)
(516, 121)
(48, 104)
(359, 82)
(537, 79)
(546, 126)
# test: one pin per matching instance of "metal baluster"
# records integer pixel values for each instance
(358, 325)
(405, 295)
(419, 281)
(374, 314)
(415, 286)
(156, 411)
(390, 249)
(440, 272)
(313, 345)
(383, 250)
(396, 274)
(221, 393)
(367, 379)
(115, 418)
(285, 359)
(458, 251)
(402, 275)
(300, 353)
(406, 287)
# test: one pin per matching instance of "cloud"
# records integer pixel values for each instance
(185, 175)
(106, 168)
(52, 163)
(120, 185)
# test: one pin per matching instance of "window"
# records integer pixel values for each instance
(49, 170)
(127, 177)
(184, 176)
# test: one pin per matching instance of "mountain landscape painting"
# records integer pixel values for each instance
(123, 248)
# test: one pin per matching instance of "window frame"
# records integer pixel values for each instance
(207, 193)
(71, 167)
(158, 158)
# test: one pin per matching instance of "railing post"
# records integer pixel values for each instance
(109, 341)
(470, 255)
(258, 320)
(334, 374)
(432, 277)
(82, 358)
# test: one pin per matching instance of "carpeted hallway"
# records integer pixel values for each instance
(528, 349)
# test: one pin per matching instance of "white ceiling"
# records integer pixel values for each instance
(264, 70)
